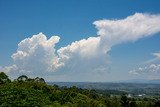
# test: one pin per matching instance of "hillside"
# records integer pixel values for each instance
(34, 92)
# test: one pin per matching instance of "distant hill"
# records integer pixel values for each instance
(154, 81)
(135, 87)
(126, 86)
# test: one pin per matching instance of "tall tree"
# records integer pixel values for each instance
(124, 101)
(4, 78)
(22, 78)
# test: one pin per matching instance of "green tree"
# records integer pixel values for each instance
(37, 79)
(4, 78)
(157, 103)
(132, 104)
(22, 78)
(124, 101)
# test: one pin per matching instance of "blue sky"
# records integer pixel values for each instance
(72, 20)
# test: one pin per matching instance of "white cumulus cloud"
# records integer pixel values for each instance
(7, 69)
(157, 55)
(37, 54)
(150, 69)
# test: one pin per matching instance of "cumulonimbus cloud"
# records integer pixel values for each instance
(37, 54)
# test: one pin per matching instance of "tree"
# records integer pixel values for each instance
(37, 79)
(4, 78)
(22, 78)
(132, 104)
(124, 101)
(157, 103)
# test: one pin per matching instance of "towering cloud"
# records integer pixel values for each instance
(37, 54)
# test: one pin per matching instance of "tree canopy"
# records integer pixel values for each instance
(34, 92)
(4, 78)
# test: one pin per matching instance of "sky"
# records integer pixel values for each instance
(80, 40)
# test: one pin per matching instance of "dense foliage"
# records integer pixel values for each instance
(35, 92)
